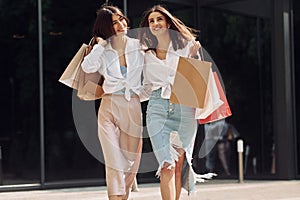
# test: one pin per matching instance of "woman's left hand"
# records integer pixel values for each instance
(194, 49)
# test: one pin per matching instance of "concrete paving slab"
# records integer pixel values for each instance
(212, 190)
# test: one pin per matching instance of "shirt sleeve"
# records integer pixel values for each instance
(93, 61)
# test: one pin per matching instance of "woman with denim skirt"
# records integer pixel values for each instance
(120, 60)
(171, 127)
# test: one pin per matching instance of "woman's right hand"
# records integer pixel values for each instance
(101, 41)
(194, 49)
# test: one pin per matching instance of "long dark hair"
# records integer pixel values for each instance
(103, 26)
(179, 36)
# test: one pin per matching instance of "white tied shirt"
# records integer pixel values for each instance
(105, 60)
(161, 74)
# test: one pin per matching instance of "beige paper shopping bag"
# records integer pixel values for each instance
(69, 75)
(190, 84)
(89, 85)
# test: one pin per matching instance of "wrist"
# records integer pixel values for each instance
(195, 56)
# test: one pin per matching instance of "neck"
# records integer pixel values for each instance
(163, 42)
(118, 42)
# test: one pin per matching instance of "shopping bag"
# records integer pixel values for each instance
(88, 85)
(212, 99)
(222, 111)
(190, 83)
(69, 75)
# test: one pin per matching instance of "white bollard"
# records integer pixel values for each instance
(240, 150)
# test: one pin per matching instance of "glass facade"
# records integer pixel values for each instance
(19, 137)
(296, 9)
(239, 44)
(65, 27)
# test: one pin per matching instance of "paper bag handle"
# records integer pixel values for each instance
(93, 41)
(201, 53)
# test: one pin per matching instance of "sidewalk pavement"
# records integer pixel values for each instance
(211, 190)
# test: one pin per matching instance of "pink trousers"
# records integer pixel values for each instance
(120, 135)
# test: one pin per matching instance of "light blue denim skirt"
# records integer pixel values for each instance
(170, 126)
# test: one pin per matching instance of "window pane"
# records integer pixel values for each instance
(296, 8)
(19, 102)
(65, 29)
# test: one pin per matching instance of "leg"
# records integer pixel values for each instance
(134, 187)
(178, 173)
(115, 162)
(167, 182)
(159, 128)
(115, 184)
(116, 197)
(210, 155)
(222, 150)
(129, 145)
(130, 124)
(185, 142)
(119, 181)
(130, 176)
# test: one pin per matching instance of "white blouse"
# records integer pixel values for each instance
(161, 74)
(105, 60)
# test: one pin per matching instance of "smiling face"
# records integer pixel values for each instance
(158, 24)
(119, 24)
